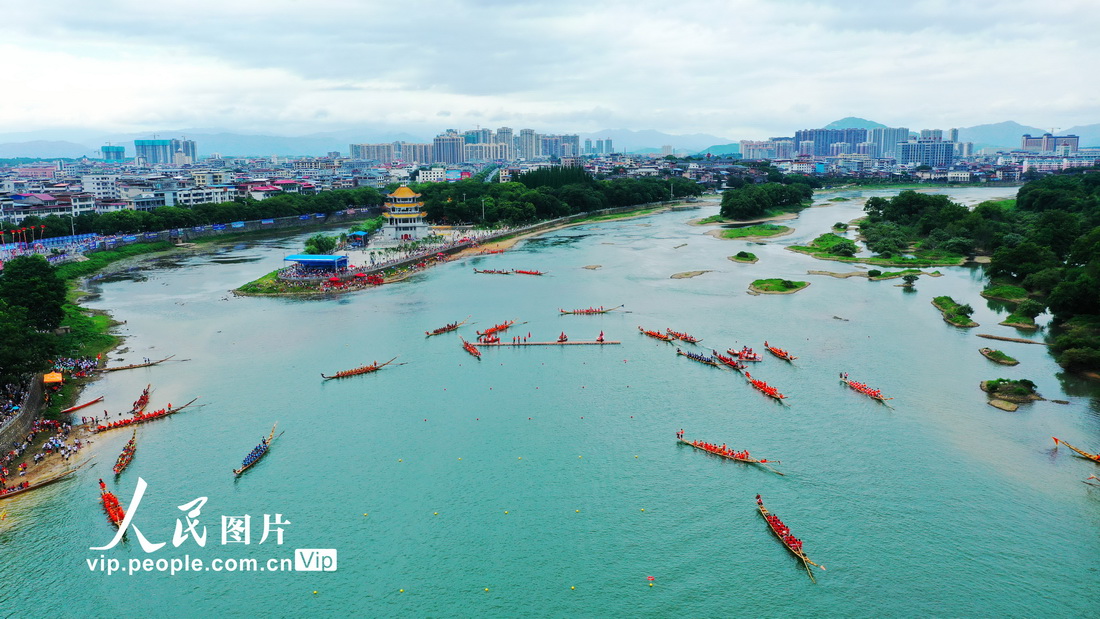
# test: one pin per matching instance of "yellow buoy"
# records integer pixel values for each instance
(314, 593)
(437, 513)
(486, 588)
(572, 587)
(506, 511)
(400, 590)
(650, 584)
(577, 510)
(643, 509)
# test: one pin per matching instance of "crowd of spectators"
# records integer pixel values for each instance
(78, 367)
(11, 401)
(56, 443)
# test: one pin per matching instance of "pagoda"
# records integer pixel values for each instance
(404, 216)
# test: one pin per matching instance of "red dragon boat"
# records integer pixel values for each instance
(782, 532)
(127, 454)
(765, 388)
(111, 505)
(84, 405)
(723, 452)
(657, 335)
(779, 352)
(684, 337)
(523, 272)
(497, 328)
(142, 401)
(592, 311)
(874, 394)
(470, 348)
(728, 361)
(141, 418)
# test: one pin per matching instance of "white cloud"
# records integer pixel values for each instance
(737, 68)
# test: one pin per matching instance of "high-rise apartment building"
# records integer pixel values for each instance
(570, 145)
(588, 146)
(373, 152)
(447, 148)
(416, 153)
(113, 153)
(930, 151)
(528, 146)
(154, 152)
(886, 140)
(824, 139)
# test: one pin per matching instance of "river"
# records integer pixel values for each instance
(546, 481)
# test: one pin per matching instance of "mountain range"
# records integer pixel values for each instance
(83, 142)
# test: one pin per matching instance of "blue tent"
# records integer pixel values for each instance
(319, 261)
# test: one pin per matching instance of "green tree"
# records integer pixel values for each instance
(320, 244)
(844, 248)
(1030, 308)
(23, 348)
(909, 279)
(32, 283)
(964, 310)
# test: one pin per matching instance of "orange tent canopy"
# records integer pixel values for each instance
(52, 377)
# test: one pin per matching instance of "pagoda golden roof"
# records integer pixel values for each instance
(403, 192)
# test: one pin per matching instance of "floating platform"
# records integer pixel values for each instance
(577, 343)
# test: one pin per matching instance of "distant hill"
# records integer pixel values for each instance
(625, 140)
(45, 149)
(1090, 134)
(722, 149)
(853, 122)
(999, 135)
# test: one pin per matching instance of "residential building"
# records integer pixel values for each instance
(447, 148)
(113, 153)
(102, 186)
(417, 153)
(1047, 143)
(373, 152)
(886, 140)
(528, 147)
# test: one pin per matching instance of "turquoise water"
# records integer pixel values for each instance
(939, 505)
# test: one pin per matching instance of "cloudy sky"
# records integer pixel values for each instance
(735, 68)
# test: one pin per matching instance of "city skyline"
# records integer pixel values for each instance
(740, 69)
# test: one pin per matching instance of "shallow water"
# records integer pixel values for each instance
(938, 505)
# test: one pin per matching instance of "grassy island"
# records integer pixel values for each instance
(759, 230)
(876, 275)
(997, 356)
(777, 286)
(1005, 292)
(830, 246)
(1022, 390)
(953, 313)
(744, 257)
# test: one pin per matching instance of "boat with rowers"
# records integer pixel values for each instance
(1082, 453)
(874, 394)
(684, 337)
(470, 348)
(764, 388)
(656, 335)
(134, 365)
(84, 405)
(363, 369)
(141, 418)
(723, 452)
(258, 452)
(493, 271)
(25, 487)
(592, 311)
(446, 328)
(111, 505)
(694, 356)
(728, 361)
(142, 401)
(127, 454)
(745, 354)
(497, 328)
(783, 533)
(779, 352)
(523, 272)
